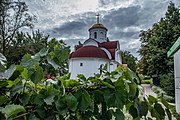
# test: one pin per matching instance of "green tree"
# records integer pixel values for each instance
(129, 59)
(156, 42)
(24, 43)
(13, 16)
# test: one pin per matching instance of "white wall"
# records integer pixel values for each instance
(112, 66)
(89, 68)
(100, 37)
(177, 79)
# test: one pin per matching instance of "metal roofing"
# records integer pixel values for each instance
(109, 45)
(174, 48)
(98, 25)
(89, 51)
(95, 51)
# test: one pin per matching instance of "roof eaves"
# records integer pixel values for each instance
(174, 48)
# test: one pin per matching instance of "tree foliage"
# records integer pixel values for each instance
(24, 43)
(13, 16)
(156, 42)
(26, 94)
(129, 59)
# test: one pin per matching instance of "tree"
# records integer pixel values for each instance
(24, 43)
(129, 59)
(13, 16)
(156, 42)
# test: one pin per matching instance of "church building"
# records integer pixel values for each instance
(94, 53)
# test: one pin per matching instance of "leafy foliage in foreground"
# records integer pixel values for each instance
(26, 94)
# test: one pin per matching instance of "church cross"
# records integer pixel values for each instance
(98, 15)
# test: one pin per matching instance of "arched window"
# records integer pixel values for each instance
(95, 35)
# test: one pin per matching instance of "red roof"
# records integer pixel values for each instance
(89, 51)
(109, 45)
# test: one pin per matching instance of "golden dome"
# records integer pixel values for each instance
(98, 25)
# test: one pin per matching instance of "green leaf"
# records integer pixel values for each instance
(71, 102)
(43, 52)
(108, 85)
(110, 98)
(152, 99)
(29, 61)
(61, 105)
(109, 114)
(24, 98)
(119, 115)
(49, 100)
(160, 110)
(165, 103)
(41, 111)
(82, 77)
(8, 73)
(71, 83)
(17, 88)
(3, 99)
(143, 108)
(24, 74)
(133, 112)
(133, 89)
(155, 114)
(36, 74)
(119, 99)
(38, 99)
(12, 110)
(168, 114)
(84, 99)
(51, 62)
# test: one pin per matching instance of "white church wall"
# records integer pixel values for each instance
(101, 34)
(87, 67)
(112, 66)
(177, 79)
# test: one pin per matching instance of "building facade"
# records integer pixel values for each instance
(94, 53)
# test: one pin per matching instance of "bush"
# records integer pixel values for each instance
(26, 94)
(146, 81)
(167, 84)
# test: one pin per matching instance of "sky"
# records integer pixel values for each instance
(69, 20)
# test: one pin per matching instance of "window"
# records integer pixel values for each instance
(95, 35)
(81, 64)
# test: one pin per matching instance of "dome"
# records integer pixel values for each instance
(90, 52)
(98, 25)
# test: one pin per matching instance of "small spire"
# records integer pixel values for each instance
(98, 15)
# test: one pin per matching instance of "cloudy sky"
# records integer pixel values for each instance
(70, 19)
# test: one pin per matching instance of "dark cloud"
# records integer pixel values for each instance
(122, 17)
(73, 27)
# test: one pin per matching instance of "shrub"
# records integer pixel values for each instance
(167, 84)
(146, 81)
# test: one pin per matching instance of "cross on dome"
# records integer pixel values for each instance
(98, 17)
